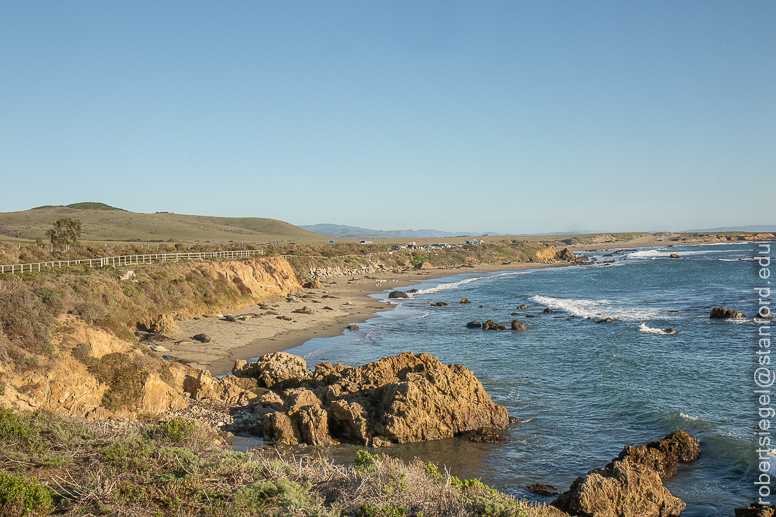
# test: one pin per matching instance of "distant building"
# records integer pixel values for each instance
(367, 242)
(474, 241)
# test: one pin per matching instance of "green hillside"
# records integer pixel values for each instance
(101, 222)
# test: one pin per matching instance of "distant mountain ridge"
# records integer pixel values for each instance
(765, 228)
(353, 232)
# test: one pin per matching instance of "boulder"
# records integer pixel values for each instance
(352, 327)
(440, 304)
(517, 325)
(621, 489)
(492, 325)
(397, 294)
(756, 510)
(566, 255)
(465, 300)
(547, 310)
(425, 265)
(631, 485)
(313, 284)
(400, 399)
(721, 313)
(162, 324)
(474, 325)
(206, 387)
(522, 306)
(674, 255)
(277, 370)
(306, 421)
(202, 338)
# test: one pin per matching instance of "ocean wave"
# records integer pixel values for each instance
(665, 253)
(747, 259)
(650, 330)
(689, 417)
(456, 285)
(601, 309)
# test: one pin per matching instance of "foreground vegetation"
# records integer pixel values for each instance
(50, 465)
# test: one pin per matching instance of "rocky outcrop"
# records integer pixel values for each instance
(474, 325)
(550, 255)
(313, 284)
(721, 313)
(400, 399)
(398, 294)
(620, 489)
(278, 370)
(68, 386)
(492, 325)
(674, 256)
(425, 265)
(162, 324)
(203, 386)
(756, 510)
(631, 485)
(465, 300)
(517, 325)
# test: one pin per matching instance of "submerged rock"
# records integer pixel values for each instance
(542, 489)
(474, 325)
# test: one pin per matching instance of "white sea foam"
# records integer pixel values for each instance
(747, 259)
(600, 309)
(456, 285)
(650, 330)
(662, 252)
(688, 417)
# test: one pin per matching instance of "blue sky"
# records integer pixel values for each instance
(512, 117)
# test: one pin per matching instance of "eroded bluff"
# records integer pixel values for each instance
(400, 399)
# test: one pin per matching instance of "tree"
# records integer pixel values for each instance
(65, 232)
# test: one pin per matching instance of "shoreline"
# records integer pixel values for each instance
(343, 301)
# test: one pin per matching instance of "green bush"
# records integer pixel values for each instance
(284, 497)
(25, 495)
(367, 510)
(176, 430)
(17, 433)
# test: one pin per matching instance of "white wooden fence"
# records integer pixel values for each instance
(127, 260)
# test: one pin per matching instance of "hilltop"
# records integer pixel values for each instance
(101, 222)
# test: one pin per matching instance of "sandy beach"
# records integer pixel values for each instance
(274, 326)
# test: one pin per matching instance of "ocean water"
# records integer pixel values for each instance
(582, 389)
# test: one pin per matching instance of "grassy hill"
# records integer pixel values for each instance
(100, 222)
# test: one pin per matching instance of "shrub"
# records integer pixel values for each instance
(125, 380)
(176, 430)
(24, 495)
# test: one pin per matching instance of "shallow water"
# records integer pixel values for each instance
(581, 389)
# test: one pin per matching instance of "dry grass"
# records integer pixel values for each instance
(178, 468)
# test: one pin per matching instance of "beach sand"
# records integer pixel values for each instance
(341, 302)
